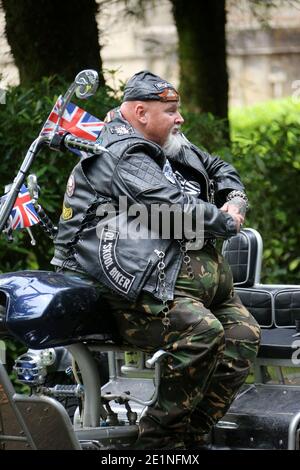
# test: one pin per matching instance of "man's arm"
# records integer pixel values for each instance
(141, 179)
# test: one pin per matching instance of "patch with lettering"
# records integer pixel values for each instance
(121, 130)
(118, 277)
(162, 85)
(70, 186)
(67, 212)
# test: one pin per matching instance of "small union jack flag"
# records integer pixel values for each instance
(23, 213)
(74, 120)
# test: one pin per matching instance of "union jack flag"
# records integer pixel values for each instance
(23, 213)
(74, 120)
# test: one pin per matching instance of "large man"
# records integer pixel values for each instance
(161, 294)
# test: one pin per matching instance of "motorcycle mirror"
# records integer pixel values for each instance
(86, 83)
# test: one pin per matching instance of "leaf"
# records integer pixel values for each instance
(293, 265)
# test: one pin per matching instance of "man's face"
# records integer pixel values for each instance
(162, 120)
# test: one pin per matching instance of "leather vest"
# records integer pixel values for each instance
(133, 168)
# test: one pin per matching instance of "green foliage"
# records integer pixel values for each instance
(205, 130)
(21, 119)
(265, 151)
(268, 158)
(263, 114)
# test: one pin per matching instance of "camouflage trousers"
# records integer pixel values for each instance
(211, 341)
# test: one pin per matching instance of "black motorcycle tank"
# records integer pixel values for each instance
(46, 309)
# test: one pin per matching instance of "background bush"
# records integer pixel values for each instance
(265, 151)
(267, 155)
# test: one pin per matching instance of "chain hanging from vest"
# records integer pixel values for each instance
(162, 287)
(162, 278)
(186, 259)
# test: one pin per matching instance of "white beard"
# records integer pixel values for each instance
(174, 144)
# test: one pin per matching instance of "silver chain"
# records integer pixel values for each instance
(212, 192)
(162, 278)
(162, 285)
(186, 259)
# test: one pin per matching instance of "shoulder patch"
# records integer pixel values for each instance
(67, 213)
(70, 186)
(121, 130)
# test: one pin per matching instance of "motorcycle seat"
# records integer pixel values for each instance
(278, 343)
(276, 307)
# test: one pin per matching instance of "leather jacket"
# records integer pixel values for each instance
(134, 168)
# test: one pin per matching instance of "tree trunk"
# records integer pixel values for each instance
(202, 55)
(52, 37)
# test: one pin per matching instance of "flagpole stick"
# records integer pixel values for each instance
(32, 239)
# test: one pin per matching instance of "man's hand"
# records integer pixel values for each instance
(233, 210)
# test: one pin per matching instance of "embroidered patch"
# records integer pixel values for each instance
(118, 277)
(67, 212)
(70, 186)
(162, 85)
(169, 95)
(121, 130)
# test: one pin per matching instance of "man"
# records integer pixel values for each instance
(161, 294)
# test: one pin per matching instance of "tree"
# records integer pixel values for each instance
(49, 37)
(202, 54)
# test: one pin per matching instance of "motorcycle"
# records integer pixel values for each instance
(72, 395)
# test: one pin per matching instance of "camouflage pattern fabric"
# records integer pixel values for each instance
(211, 342)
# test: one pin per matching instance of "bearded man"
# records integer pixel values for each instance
(167, 289)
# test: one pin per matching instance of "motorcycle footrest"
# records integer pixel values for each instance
(65, 391)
